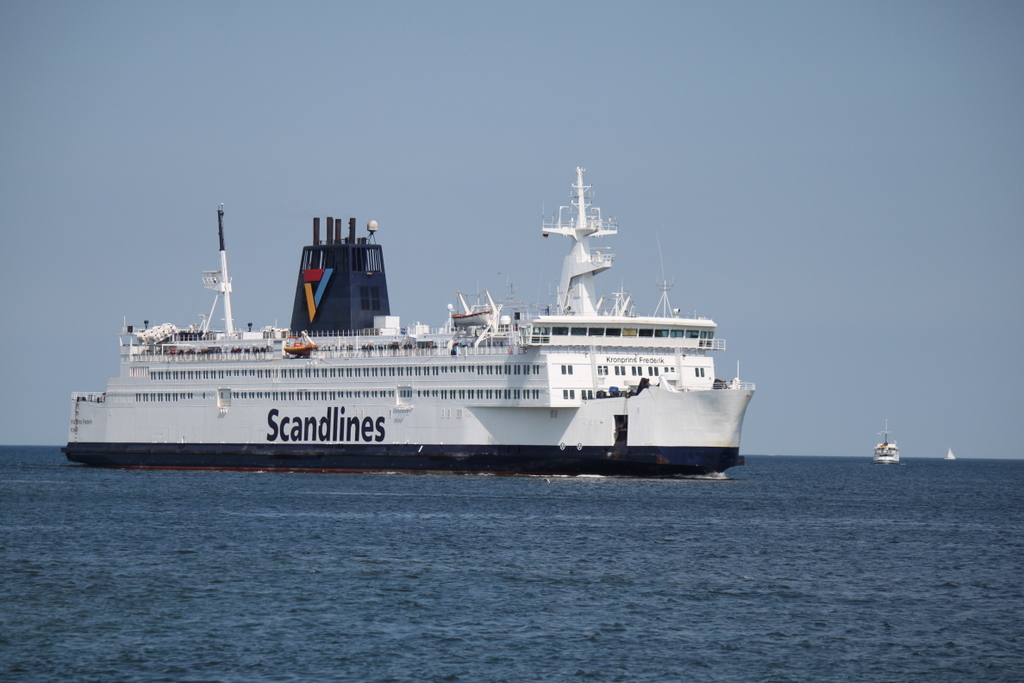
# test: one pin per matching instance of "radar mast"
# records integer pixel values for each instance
(581, 221)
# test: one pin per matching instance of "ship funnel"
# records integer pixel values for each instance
(342, 285)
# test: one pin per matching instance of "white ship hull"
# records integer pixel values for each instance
(220, 417)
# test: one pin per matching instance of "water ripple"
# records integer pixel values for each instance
(794, 569)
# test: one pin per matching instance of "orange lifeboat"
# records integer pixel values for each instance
(300, 349)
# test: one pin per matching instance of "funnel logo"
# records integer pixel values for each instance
(315, 278)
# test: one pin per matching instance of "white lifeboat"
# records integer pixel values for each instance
(471, 319)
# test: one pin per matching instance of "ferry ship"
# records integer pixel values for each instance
(581, 386)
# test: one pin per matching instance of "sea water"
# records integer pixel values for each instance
(791, 569)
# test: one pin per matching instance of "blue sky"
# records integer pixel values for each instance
(839, 185)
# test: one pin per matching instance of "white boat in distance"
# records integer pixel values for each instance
(949, 455)
(885, 452)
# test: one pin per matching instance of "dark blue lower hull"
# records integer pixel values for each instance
(645, 461)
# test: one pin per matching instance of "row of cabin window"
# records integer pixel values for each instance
(585, 394)
(444, 394)
(602, 370)
(624, 332)
(269, 395)
(470, 394)
(635, 370)
(161, 398)
(638, 370)
(652, 370)
(447, 394)
(313, 395)
(392, 371)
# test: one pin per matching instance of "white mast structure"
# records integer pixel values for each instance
(664, 309)
(576, 288)
(219, 281)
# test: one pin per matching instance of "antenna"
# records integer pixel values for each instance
(220, 225)
(664, 286)
(661, 258)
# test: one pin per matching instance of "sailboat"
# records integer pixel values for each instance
(949, 455)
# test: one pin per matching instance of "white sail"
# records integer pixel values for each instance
(949, 455)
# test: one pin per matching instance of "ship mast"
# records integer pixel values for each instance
(225, 281)
(576, 288)
(219, 281)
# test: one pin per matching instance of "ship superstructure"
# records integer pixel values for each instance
(501, 387)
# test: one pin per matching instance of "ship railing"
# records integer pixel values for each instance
(326, 353)
(415, 351)
(201, 354)
(664, 344)
(89, 397)
(219, 354)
